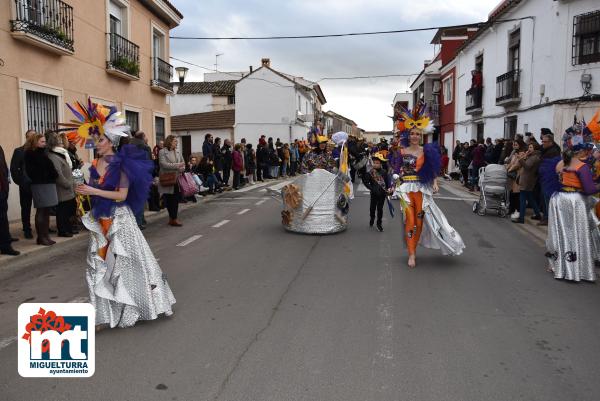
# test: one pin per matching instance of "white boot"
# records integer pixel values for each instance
(515, 215)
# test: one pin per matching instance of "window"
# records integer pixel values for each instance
(586, 38)
(299, 104)
(510, 127)
(514, 43)
(231, 99)
(159, 128)
(132, 119)
(448, 89)
(42, 111)
(480, 131)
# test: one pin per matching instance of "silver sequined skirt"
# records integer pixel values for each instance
(323, 207)
(570, 247)
(128, 285)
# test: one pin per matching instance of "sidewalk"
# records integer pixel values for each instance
(31, 252)
(530, 227)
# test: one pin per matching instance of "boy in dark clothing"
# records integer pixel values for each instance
(379, 183)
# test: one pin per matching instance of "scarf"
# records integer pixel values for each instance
(65, 153)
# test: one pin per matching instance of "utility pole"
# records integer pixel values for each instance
(217, 60)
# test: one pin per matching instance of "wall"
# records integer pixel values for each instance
(188, 104)
(447, 111)
(77, 76)
(545, 59)
(198, 136)
(266, 104)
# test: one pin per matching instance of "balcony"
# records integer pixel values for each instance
(123, 57)
(161, 76)
(44, 23)
(474, 101)
(507, 88)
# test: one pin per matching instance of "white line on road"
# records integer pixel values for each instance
(189, 240)
(260, 202)
(5, 342)
(221, 223)
(243, 211)
(277, 187)
(251, 187)
(79, 300)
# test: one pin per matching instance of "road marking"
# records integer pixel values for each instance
(260, 202)
(221, 223)
(251, 187)
(189, 240)
(280, 185)
(79, 300)
(5, 342)
(243, 211)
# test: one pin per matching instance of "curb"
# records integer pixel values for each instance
(14, 265)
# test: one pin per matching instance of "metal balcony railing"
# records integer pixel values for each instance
(507, 87)
(162, 73)
(123, 55)
(474, 99)
(51, 20)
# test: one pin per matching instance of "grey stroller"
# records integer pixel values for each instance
(493, 182)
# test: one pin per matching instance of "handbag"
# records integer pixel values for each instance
(167, 179)
(187, 185)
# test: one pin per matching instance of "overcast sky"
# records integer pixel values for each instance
(366, 101)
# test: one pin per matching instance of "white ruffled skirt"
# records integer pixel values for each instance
(128, 285)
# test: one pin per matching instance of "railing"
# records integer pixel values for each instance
(507, 87)
(474, 99)
(162, 73)
(51, 20)
(123, 55)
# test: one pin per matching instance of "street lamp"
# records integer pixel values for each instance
(181, 73)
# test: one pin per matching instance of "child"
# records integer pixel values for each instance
(379, 183)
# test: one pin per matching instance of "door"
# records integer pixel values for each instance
(186, 147)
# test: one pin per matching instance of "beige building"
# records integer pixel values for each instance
(56, 52)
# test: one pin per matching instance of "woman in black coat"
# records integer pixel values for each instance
(43, 175)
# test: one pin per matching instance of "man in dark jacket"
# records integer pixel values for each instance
(227, 160)
(207, 146)
(551, 155)
(19, 176)
(5, 238)
(262, 160)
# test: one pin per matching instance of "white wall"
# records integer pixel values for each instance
(198, 136)
(266, 104)
(204, 103)
(545, 52)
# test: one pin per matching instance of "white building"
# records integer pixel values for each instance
(274, 104)
(539, 70)
(401, 99)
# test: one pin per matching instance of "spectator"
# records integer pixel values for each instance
(141, 142)
(507, 150)
(302, 150)
(262, 160)
(19, 176)
(294, 156)
(66, 208)
(274, 161)
(464, 163)
(477, 163)
(550, 157)
(218, 161)
(43, 176)
(456, 154)
(157, 148)
(489, 151)
(237, 165)
(250, 163)
(171, 163)
(76, 161)
(286, 160)
(528, 174)
(498, 147)
(207, 146)
(5, 237)
(445, 161)
(512, 168)
(227, 160)
(206, 173)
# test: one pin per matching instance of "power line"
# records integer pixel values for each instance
(319, 80)
(339, 35)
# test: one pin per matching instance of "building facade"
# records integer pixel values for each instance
(54, 52)
(275, 104)
(541, 69)
(334, 122)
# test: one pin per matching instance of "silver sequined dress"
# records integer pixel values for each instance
(128, 285)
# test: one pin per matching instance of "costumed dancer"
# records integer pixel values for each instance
(379, 183)
(569, 245)
(125, 281)
(318, 157)
(424, 222)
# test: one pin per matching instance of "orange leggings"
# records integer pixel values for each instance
(105, 225)
(413, 223)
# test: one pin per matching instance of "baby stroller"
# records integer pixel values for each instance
(494, 192)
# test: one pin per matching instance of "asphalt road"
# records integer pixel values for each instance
(263, 314)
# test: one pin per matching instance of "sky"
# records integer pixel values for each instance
(366, 101)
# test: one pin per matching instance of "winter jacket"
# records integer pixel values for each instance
(168, 161)
(262, 156)
(528, 174)
(64, 180)
(372, 185)
(39, 168)
(207, 150)
(238, 161)
(3, 174)
(479, 156)
(17, 167)
(226, 157)
(217, 157)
